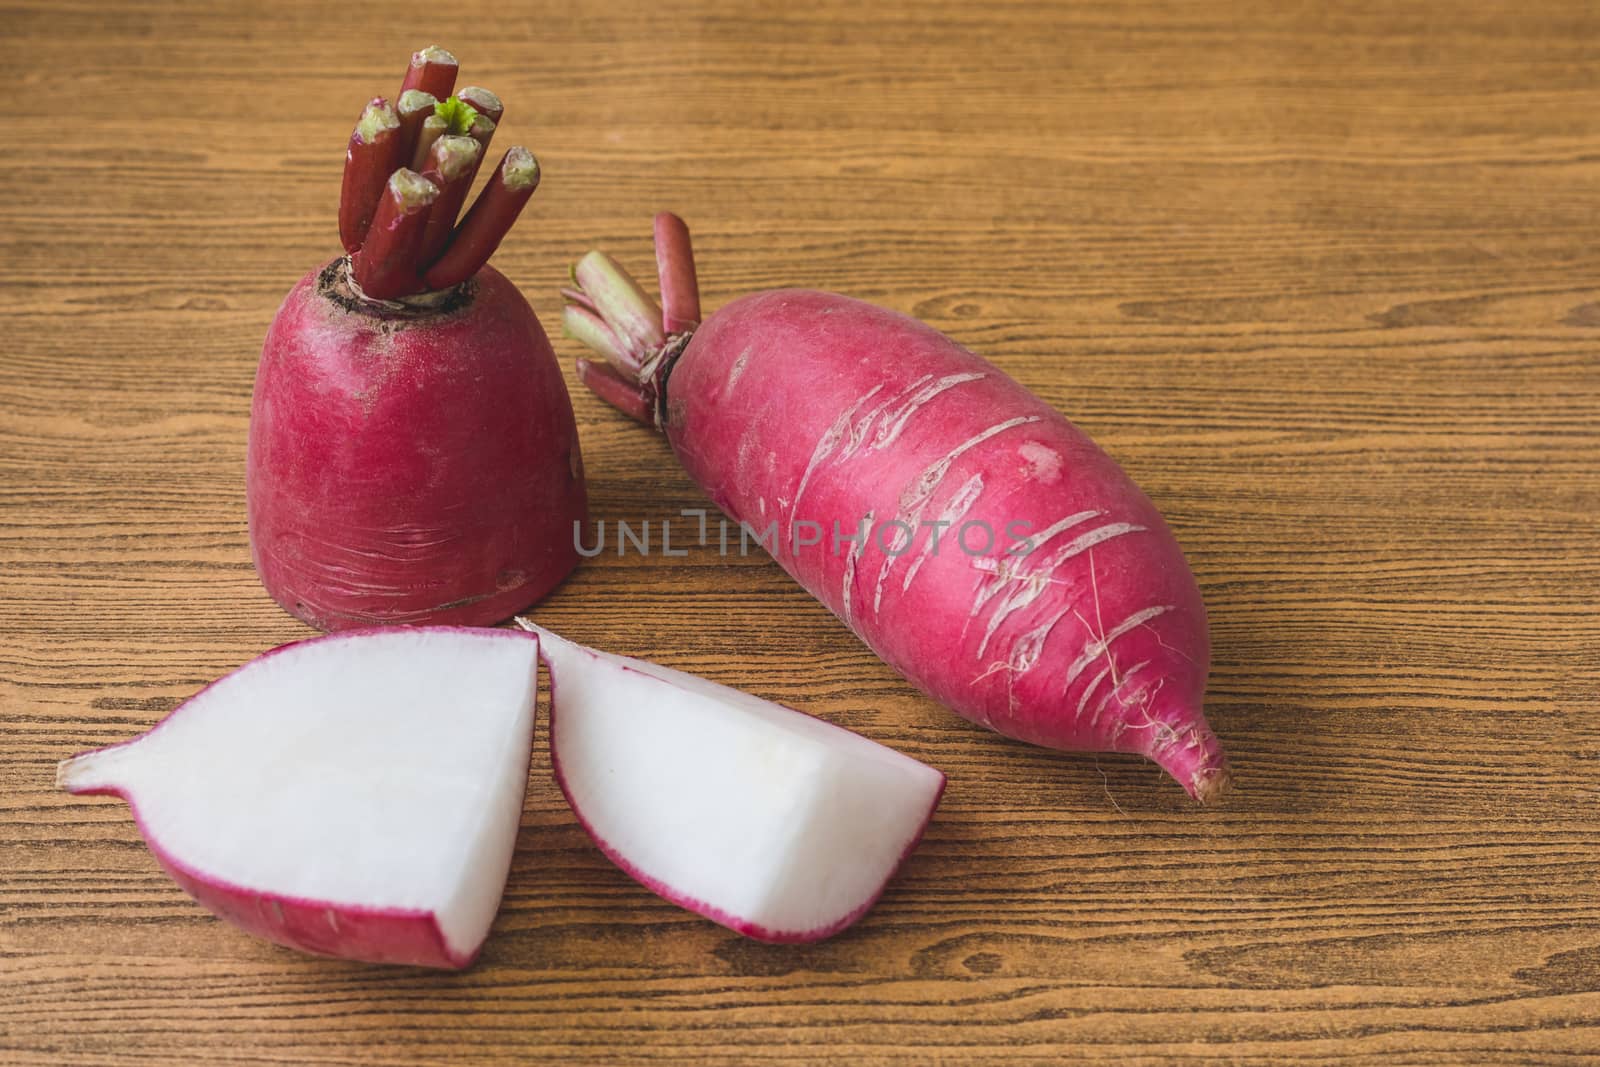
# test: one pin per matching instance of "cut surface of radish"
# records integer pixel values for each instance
(354, 795)
(771, 822)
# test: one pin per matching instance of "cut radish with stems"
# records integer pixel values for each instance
(976, 540)
(356, 795)
(411, 464)
(775, 824)
(413, 455)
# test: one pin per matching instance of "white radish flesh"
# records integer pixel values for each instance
(355, 795)
(773, 823)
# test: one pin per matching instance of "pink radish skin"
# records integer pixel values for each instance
(793, 405)
(339, 928)
(411, 466)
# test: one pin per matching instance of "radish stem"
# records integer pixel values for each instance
(580, 298)
(615, 390)
(482, 130)
(483, 102)
(414, 108)
(433, 70)
(590, 329)
(680, 290)
(371, 157)
(386, 266)
(433, 127)
(631, 315)
(452, 164)
(488, 220)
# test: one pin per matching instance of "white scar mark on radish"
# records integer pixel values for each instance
(1094, 720)
(1037, 541)
(850, 572)
(984, 718)
(1098, 630)
(737, 370)
(914, 501)
(1044, 462)
(953, 512)
(830, 440)
(1003, 575)
(1102, 646)
(918, 493)
(896, 549)
(894, 425)
(1034, 584)
(858, 432)
(1025, 653)
(1163, 731)
(333, 919)
(896, 412)
(1083, 701)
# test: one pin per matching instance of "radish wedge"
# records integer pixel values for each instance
(355, 795)
(775, 824)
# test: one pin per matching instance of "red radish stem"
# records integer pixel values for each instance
(615, 390)
(452, 164)
(483, 102)
(414, 109)
(386, 266)
(680, 290)
(488, 220)
(433, 127)
(1057, 608)
(433, 70)
(372, 155)
(482, 130)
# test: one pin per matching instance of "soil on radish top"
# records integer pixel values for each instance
(333, 285)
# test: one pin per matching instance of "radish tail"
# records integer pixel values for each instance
(1178, 740)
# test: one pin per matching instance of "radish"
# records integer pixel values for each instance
(976, 540)
(777, 825)
(413, 455)
(354, 795)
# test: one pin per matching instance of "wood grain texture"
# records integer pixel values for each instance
(1323, 277)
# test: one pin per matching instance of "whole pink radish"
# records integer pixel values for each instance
(413, 455)
(975, 539)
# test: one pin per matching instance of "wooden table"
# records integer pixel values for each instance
(1323, 277)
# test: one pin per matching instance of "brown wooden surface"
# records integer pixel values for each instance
(1325, 278)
